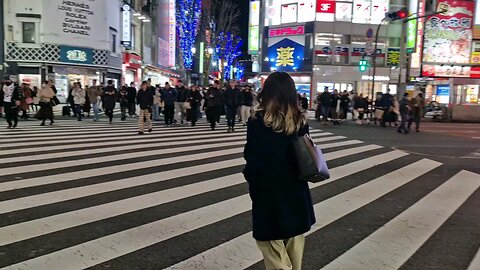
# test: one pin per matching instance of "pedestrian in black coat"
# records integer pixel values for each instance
(213, 100)
(233, 99)
(194, 97)
(109, 99)
(282, 207)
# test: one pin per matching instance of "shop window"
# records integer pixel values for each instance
(114, 43)
(471, 94)
(28, 32)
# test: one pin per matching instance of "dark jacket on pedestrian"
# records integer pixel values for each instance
(325, 99)
(404, 106)
(169, 96)
(247, 98)
(213, 97)
(131, 94)
(281, 203)
(109, 97)
(232, 97)
(145, 98)
(182, 93)
(194, 97)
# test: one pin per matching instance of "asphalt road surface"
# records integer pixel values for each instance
(90, 195)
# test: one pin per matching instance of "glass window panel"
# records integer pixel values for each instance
(28, 32)
(343, 11)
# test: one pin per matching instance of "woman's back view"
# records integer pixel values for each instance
(282, 207)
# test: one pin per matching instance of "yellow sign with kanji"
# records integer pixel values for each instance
(393, 57)
(285, 56)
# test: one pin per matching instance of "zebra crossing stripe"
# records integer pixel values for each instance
(241, 252)
(391, 245)
(71, 176)
(115, 245)
(475, 264)
(30, 229)
(118, 244)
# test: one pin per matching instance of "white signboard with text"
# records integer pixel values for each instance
(77, 22)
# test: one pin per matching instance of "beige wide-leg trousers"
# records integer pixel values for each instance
(283, 254)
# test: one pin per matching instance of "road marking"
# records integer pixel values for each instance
(38, 227)
(394, 243)
(118, 244)
(475, 263)
(242, 252)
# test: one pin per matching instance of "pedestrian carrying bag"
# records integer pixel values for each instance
(186, 105)
(55, 101)
(310, 160)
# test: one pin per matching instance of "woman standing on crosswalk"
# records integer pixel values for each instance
(282, 207)
(45, 95)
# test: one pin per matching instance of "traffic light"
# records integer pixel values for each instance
(396, 15)
(363, 65)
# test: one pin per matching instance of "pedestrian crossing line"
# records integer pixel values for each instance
(475, 263)
(105, 151)
(145, 142)
(241, 252)
(104, 133)
(338, 144)
(100, 250)
(125, 157)
(97, 172)
(30, 229)
(106, 158)
(134, 126)
(390, 246)
(115, 245)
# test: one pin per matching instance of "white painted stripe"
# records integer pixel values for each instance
(104, 133)
(132, 135)
(394, 243)
(475, 263)
(38, 227)
(115, 245)
(242, 252)
(146, 142)
(72, 153)
(78, 192)
(51, 179)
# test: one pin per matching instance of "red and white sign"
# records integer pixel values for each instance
(286, 31)
(132, 61)
(448, 37)
(475, 72)
(326, 6)
(446, 71)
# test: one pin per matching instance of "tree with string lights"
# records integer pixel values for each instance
(228, 50)
(188, 13)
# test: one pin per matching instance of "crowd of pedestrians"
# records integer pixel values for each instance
(334, 107)
(179, 105)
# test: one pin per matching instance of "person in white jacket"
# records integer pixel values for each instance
(78, 94)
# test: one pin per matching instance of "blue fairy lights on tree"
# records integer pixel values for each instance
(228, 50)
(187, 16)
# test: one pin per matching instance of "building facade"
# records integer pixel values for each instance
(64, 41)
(320, 43)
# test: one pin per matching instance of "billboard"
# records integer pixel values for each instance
(285, 54)
(448, 37)
(412, 26)
(326, 10)
(166, 33)
(253, 28)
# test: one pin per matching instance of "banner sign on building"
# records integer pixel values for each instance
(448, 38)
(344, 50)
(445, 71)
(76, 55)
(287, 54)
(412, 26)
(393, 57)
(253, 28)
(126, 26)
(286, 31)
(326, 10)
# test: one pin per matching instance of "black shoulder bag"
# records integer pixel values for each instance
(310, 160)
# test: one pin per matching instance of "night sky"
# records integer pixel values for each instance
(244, 9)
